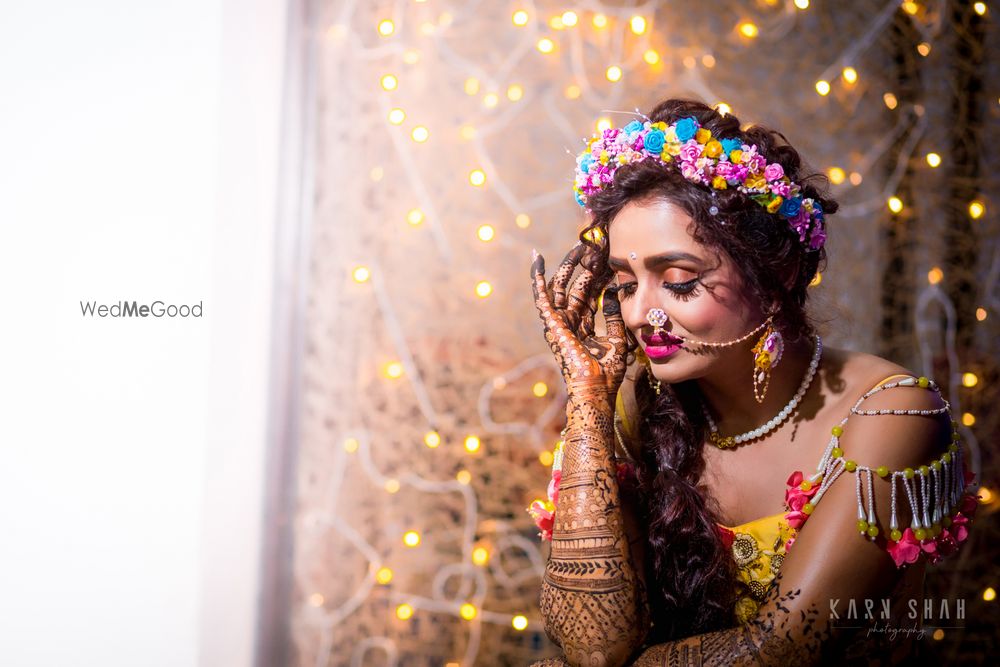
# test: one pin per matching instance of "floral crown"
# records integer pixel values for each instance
(703, 159)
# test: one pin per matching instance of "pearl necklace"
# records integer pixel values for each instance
(731, 441)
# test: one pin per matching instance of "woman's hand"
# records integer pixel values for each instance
(592, 366)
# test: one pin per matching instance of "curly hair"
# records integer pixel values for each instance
(690, 574)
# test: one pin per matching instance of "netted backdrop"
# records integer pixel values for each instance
(444, 142)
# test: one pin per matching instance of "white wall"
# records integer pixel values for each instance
(138, 145)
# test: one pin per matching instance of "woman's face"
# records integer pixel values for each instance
(697, 287)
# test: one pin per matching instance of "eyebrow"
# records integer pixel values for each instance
(655, 260)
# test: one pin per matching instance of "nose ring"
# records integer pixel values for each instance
(657, 318)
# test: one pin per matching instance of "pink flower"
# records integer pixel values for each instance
(543, 519)
(781, 188)
(796, 519)
(958, 527)
(756, 163)
(773, 172)
(795, 497)
(946, 543)
(690, 151)
(970, 477)
(553, 489)
(788, 544)
(907, 550)
(968, 505)
(689, 171)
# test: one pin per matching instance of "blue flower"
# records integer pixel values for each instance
(686, 127)
(790, 207)
(578, 200)
(632, 127)
(653, 142)
(730, 145)
(588, 160)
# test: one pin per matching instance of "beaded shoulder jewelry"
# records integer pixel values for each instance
(940, 507)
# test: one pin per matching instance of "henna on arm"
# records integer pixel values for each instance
(593, 600)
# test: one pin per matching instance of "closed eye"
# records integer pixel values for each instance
(683, 291)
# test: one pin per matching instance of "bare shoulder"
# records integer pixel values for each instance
(902, 424)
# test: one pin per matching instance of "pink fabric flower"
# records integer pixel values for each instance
(907, 550)
(968, 505)
(690, 151)
(796, 498)
(544, 519)
(958, 528)
(689, 171)
(773, 172)
(553, 489)
(946, 543)
(796, 519)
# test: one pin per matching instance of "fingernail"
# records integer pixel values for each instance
(534, 254)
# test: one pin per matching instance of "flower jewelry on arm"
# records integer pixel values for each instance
(705, 160)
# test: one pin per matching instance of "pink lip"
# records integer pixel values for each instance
(661, 339)
(661, 351)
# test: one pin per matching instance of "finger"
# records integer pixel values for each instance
(561, 278)
(550, 318)
(614, 322)
(579, 293)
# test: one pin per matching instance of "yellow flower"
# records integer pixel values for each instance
(593, 141)
(774, 205)
(673, 148)
(670, 135)
(703, 135)
(755, 181)
(622, 159)
(604, 157)
(719, 183)
(764, 361)
(665, 156)
(660, 126)
(713, 149)
(735, 155)
(746, 608)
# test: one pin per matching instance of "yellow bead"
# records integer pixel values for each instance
(946, 458)
(837, 431)
(837, 452)
(873, 531)
(862, 525)
(924, 470)
(908, 473)
(936, 465)
(920, 534)
(954, 424)
(896, 536)
(953, 448)
(922, 381)
(805, 485)
(955, 437)
(849, 466)
(946, 522)
(882, 471)
(808, 508)
(935, 530)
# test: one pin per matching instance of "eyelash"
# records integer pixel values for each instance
(683, 291)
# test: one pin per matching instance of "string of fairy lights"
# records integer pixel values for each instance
(630, 42)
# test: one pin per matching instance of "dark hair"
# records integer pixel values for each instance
(691, 576)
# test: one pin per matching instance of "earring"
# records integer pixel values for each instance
(641, 357)
(657, 318)
(766, 355)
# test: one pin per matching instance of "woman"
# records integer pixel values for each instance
(703, 239)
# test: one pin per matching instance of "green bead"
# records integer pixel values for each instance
(920, 534)
(849, 466)
(923, 382)
(808, 508)
(924, 470)
(908, 473)
(953, 448)
(896, 536)
(882, 471)
(837, 431)
(837, 452)
(935, 530)
(946, 521)
(873, 531)
(862, 525)
(947, 457)
(936, 465)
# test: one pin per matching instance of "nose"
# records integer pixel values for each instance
(637, 307)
